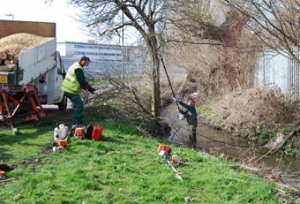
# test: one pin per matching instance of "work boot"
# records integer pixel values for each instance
(192, 143)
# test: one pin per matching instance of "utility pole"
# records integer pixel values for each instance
(11, 15)
(123, 69)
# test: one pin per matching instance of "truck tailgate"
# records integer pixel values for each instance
(36, 61)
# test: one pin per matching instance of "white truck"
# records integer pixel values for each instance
(37, 78)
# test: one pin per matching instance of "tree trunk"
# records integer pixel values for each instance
(155, 86)
(155, 74)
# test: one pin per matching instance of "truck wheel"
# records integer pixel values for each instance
(63, 104)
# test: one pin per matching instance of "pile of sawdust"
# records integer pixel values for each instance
(253, 111)
(15, 43)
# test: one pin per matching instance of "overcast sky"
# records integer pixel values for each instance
(67, 28)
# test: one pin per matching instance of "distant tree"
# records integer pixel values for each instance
(276, 22)
(197, 20)
(212, 32)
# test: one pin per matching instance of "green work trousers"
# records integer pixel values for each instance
(78, 107)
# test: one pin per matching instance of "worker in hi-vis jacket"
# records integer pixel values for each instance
(72, 86)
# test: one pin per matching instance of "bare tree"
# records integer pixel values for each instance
(275, 22)
(208, 37)
(110, 18)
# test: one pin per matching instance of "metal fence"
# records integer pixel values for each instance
(275, 69)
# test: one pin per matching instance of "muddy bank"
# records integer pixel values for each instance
(259, 114)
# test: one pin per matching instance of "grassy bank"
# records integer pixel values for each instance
(124, 167)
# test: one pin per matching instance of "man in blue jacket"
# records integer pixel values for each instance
(72, 86)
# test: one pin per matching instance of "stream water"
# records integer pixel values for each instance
(230, 146)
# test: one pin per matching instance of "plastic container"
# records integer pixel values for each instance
(97, 132)
(89, 131)
(60, 132)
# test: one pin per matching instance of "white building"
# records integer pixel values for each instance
(112, 59)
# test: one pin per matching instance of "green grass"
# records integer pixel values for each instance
(124, 167)
(206, 109)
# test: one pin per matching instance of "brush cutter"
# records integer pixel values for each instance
(164, 152)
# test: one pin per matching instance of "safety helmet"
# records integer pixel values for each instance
(191, 102)
(84, 61)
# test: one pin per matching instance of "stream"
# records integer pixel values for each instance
(231, 146)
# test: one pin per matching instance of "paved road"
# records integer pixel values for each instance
(53, 109)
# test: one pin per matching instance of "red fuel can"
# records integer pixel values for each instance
(97, 132)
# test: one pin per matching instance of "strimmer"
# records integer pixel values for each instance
(164, 151)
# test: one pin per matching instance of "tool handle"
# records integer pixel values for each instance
(168, 76)
(162, 60)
